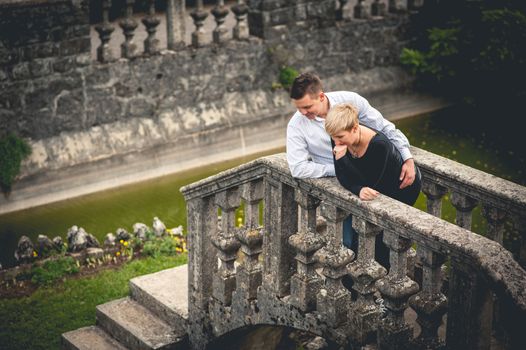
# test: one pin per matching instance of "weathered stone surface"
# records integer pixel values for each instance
(44, 245)
(122, 234)
(140, 230)
(24, 251)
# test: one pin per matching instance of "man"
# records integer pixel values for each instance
(309, 149)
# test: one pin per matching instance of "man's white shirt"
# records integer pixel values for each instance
(309, 149)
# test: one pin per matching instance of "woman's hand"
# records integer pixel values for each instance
(339, 151)
(367, 193)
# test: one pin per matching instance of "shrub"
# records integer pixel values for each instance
(287, 76)
(12, 151)
(53, 270)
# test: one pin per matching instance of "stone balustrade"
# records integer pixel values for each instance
(288, 273)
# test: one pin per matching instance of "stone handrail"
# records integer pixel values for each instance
(485, 282)
(501, 200)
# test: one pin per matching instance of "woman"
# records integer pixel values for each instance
(366, 162)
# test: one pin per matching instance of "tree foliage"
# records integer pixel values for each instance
(12, 151)
(471, 50)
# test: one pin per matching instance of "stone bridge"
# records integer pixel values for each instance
(446, 286)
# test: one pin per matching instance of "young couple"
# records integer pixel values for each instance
(340, 134)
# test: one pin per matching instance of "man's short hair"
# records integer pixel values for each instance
(305, 83)
(341, 117)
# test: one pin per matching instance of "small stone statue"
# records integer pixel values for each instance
(158, 227)
(109, 240)
(140, 230)
(77, 239)
(122, 234)
(25, 252)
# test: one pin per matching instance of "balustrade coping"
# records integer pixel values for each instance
(506, 276)
(474, 183)
(18, 3)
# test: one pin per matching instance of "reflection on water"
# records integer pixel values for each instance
(104, 212)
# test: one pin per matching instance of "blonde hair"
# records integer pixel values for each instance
(341, 117)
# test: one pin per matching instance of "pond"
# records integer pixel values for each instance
(100, 213)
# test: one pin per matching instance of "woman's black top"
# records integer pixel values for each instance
(379, 168)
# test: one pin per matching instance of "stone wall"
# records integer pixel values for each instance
(191, 102)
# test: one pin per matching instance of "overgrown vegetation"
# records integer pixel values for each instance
(287, 76)
(37, 321)
(13, 150)
(472, 51)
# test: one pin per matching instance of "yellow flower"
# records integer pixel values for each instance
(35, 254)
(118, 253)
(125, 244)
(122, 241)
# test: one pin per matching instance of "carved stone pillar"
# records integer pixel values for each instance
(469, 318)
(224, 281)
(430, 304)
(396, 288)
(240, 31)
(281, 213)
(151, 44)
(464, 206)
(396, 6)
(365, 271)
(251, 237)
(414, 5)
(495, 218)
(333, 299)
(305, 283)
(378, 8)
(175, 24)
(105, 29)
(340, 11)
(128, 25)
(220, 12)
(360, 10)
(199, 16)
(434, 195)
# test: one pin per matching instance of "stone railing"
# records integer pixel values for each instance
(264, 19)
(287, 273)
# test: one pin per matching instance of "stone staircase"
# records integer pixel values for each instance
(154, 316)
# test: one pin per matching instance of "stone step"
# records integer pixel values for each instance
(89, 338)
(165, 294)
(136, 327)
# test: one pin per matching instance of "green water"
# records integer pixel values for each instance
(106, 211)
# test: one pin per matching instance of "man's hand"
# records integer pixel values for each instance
(339, 151)
(407, 176)
(367, 193)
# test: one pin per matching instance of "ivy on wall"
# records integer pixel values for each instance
(13, 150)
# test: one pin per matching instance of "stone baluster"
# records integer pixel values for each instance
(434, 193)
(305, 283)
(340, 11)
(396, 6)
(415, 5)
(333, 300)
(224, 281)
(151, 44)
(202, 257)
(251, 237)
(105, 29)
(495, 219)
(175, 24)
(470, 313)
(519, 224)
(396, 288)
(128, 25)
(464, 206)
(378, 8)
(430, 304)
(365, 271)
(360, 10)
(199, 16)
(240, 10)
(220, 12)
(281, 212)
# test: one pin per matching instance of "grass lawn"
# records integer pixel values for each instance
(37, 321)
